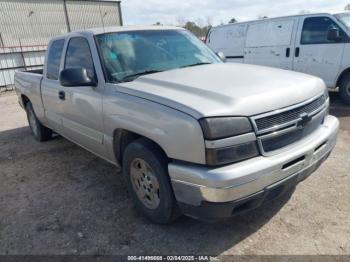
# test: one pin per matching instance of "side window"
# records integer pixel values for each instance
(79, 55)
(54, 59)
(315, 30)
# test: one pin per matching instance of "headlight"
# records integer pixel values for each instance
(232, 154)
(220, 128)
(223, 127)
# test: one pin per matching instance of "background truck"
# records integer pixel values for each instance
(192, 134)
(316, 44)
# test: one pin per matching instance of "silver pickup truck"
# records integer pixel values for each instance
(193, 135)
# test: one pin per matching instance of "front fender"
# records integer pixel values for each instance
(178, 134)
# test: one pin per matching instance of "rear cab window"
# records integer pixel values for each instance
(54, 59)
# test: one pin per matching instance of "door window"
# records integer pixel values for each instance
(79, 55)
(54, 59)
(315, 31)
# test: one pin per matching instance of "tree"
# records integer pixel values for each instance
(232, 21)
(196, 29)
(347, 7)
(200, 28)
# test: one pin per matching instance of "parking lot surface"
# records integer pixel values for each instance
(56, 198)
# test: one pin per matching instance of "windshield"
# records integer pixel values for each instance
(128, 55)
(344, 18)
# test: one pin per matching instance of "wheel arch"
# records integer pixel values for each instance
(344, 73)
(25, 100)
(122, 138)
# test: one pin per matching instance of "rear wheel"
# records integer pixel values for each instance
(145, 170)
(344, 89)
(40, 132)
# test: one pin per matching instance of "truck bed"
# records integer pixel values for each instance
(35, 71)
(28, 84)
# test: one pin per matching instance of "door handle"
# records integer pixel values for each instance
(62, 95)
(288, 52)
(297, 52)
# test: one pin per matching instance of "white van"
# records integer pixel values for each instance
(316, 44)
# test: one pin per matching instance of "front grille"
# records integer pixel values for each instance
(288, 116)
(279, 141)
(284, 127)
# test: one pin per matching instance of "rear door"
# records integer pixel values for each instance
(270, 43)
(50, 86)
(82, 118)
(314, 53)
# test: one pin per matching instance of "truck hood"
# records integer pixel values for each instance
(225, 89)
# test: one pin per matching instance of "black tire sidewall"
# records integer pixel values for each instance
(29, 108)
(164, 213)
(344, 85)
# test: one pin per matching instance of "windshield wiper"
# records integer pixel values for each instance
(134, 76)
(197, 64)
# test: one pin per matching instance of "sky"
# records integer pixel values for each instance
(136, 12)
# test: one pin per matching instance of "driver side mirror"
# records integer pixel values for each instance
(334, 35)
(77, 76)
(222, 56)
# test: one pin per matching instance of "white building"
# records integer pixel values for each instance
(27, 25)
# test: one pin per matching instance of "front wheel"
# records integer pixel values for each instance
(40, 132)
(145, 170)
(344, 90)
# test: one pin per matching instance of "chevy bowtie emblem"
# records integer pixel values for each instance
(305, 119)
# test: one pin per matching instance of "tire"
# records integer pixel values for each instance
(344, 89)
(153, 196)
(40, 132)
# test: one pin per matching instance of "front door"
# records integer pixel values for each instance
(82, 116)
(314, 53)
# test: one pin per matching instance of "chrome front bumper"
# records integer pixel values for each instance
(194, 184)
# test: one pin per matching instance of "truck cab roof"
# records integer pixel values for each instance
(101, 30)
